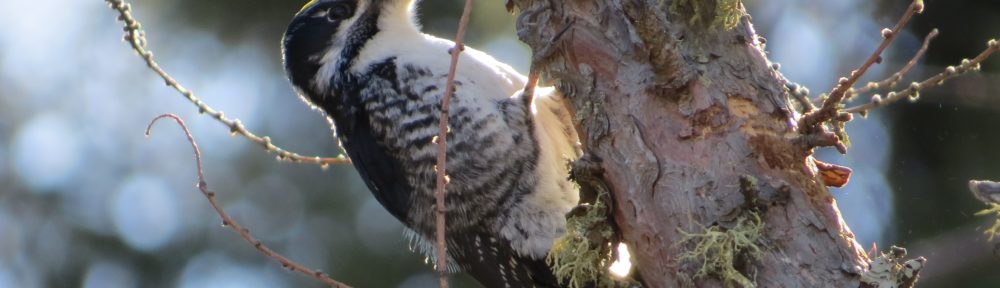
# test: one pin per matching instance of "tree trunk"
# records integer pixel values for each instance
(678, 109)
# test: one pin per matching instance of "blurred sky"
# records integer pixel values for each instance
(87, 201)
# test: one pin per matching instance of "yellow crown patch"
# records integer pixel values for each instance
(310, 3)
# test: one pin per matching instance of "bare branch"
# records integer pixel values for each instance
(442, 148)
(136, 37)
(913, 91)
(820, 139)
(891, 82)
(835, 115)
(832, 103)
(232, 224)
(801, 94)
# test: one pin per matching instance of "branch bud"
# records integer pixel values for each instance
(950, 70)
(872, 86)
(844, 117)
(886, 33)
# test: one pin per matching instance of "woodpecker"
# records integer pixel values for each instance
(379, 80)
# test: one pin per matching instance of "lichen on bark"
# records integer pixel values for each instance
(582, 256)
(721, 14)
(717, 250)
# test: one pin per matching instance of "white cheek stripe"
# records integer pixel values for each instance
(330, 57)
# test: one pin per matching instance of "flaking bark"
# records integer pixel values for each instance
(677, 111)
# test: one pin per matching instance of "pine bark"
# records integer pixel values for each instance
(677, 111)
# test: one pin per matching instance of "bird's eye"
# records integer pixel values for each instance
(338, 11)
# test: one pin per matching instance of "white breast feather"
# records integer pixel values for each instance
(542, 211)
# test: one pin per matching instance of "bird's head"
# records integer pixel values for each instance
(333, 32)
(311, 35)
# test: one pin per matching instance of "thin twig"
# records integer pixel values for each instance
(135, 36)
(913, 91)
(832, 103)
(232, 224)
(529, 88)
(442, 148)
(801, 95)
(891, 82)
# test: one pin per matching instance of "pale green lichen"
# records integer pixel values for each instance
(725, 15)
(717, 249)
(994, 209)
(577, 257)
(840, 129)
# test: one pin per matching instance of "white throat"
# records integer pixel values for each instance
(397, 21)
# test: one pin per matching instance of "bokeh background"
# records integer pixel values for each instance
(87, 201)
